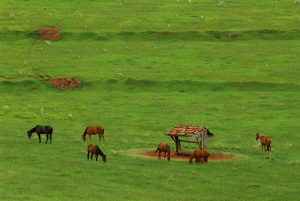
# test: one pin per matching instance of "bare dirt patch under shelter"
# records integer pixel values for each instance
(212, 156)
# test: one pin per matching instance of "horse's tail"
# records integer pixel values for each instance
(84, 136)
(156, 150)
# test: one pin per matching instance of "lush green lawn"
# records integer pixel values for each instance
(146, 66)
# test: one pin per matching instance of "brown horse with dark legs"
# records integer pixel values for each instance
(163, 147)
(264, 141)
(94, 149)
(93, 130)
(48, 130)
(198, 154)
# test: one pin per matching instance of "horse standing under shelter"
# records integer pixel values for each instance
(264, 141)
(198, 154)
(48, 130)
(93, 130)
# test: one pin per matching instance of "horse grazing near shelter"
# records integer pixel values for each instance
(93, 130)
(163, 147)
(264, 141)
(198, 154)
(94, 149)
(48, 130)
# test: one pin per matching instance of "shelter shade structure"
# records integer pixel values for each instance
(200, 133)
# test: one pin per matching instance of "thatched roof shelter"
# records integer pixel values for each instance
(201, 133)
(188, 130)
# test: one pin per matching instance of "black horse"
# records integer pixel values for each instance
(48, 130)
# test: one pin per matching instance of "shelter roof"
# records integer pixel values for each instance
(188, 130)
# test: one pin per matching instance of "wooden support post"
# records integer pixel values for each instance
(204, 139)
(178, 146)
(198, 138)
(173, 139)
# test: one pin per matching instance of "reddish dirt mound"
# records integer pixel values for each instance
(212, 156)
(65, 82)
(49, 33)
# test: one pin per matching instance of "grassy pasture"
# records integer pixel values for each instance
(146, 66)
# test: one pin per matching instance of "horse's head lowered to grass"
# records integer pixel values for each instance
(257, 135)
(29, 133)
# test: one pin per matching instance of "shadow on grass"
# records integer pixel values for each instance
(182, 86)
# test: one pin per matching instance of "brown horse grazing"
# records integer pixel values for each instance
(48, 130)
(93, 130)
(198, 154)
(163, 147)
(94, 149)
(264, 141)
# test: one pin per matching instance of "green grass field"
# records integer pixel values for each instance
(145, 67)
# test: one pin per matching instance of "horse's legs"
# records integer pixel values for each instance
(159, 154)
(47, 138)
(191, 158)
(92, 156)
(103, 138)
(50, 138)
(90, 137)
(205, 159)
(88, 155)
(96, 157)
(39, 135)
(99, 138)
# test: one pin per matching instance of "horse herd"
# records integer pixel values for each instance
(198, 155)
(90, 130)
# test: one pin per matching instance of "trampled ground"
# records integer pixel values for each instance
(144, 67)
(174, 155)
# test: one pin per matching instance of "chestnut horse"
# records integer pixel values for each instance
(94, 149)
(163, 147)
(264, 141)
(198, 154)
(48, 130)
(93, 130)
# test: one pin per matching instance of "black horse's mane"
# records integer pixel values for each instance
(33, 129)
(100, 152)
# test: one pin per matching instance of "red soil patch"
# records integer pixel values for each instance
(65, 82)
(212, 156)
(49, 33)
